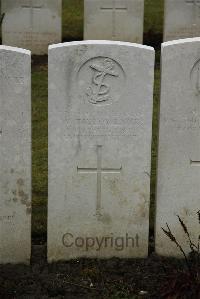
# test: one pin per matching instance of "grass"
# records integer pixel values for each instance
(73, 30)
(39, 149)
(72, 20)
(153, 16)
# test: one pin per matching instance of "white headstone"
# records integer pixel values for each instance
(114, 20)
(31, 24)
(100, 119)
(15, 155)
(178, 191)
(182, 19)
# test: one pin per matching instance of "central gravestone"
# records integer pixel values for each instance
(15, 155)
(182, 19)
(100, 119)
(31, 24)
(114, 20)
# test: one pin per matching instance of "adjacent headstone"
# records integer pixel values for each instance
(15, 155)
(31, 24)
(182, 19)
(100, 119)
(114, 20)
(178, 191)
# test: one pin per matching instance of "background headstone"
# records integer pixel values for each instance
(178, 191)
(100, 119)
(15, 155)
(114, 20)
(182, 19)
(31, 24)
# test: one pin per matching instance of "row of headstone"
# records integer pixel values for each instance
(120, 20)
(100, 120)
(36, 24)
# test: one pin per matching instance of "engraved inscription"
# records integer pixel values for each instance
(183, 32)
(99, 170)
(85, 125)
(7, 218)
(193, 2)
(114, 9)
(195, 77)
(101, 81)
(189, 122)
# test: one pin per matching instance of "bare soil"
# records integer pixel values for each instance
(99, 279)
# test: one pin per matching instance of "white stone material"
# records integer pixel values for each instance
(114, 20)
(100, 120)
(178, 188)
(15, 155)
(182, 19)
(31, 24)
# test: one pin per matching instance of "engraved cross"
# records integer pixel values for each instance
(31, 6)
(99, 170)
(194, 163)
(114, 8)
(195, 3)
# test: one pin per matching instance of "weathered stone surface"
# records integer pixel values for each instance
(100, 119)
(15, 155)
(114, 20)
(182, 19)
(178, 190)
(31, 24)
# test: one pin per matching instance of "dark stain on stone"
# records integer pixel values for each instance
(14, 192)
(105, 218)
(28, 211)
(20, 182)
(20, 195)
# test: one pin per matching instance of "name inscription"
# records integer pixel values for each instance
(190, 122)
(7, 218)
(85, 125)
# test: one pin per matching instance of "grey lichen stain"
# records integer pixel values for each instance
(82, 50)
(115, 190)
(20, 182)
(28, 211)
(143, 205)
(19, 195)
(186, 211)
(104, 218)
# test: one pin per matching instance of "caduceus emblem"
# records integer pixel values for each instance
(99, 91)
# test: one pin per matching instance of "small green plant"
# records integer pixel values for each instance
(185, 283)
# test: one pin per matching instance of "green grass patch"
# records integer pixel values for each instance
(39, 149)
(72, 18)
